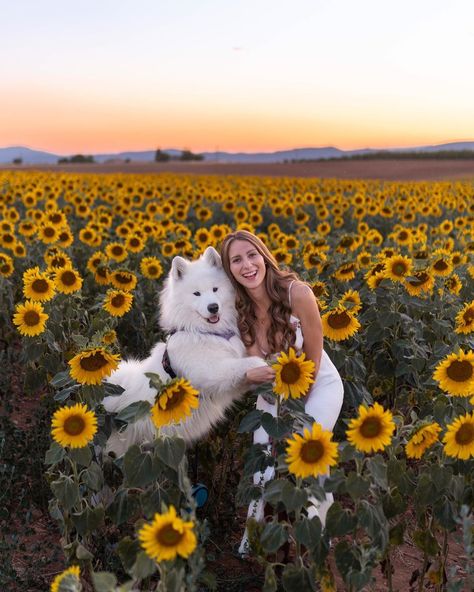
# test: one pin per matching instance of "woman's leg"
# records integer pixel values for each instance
(256, 507)
(324, 405)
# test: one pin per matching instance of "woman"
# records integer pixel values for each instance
(277, 311)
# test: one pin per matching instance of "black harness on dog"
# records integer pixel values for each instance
(166, 359)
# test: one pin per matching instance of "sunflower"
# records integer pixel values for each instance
(30, 318)
(135, 243)
(68, 280)
(93, 365)
(453, 284)
(74, 426)
(441, 265)
(397, 267)
(419, 282)
(109, 337)
(6, 265)
(353, 297)
(123, 280)
(372, 430)
(459, 437)
(311, 454)
(167, 536)
(465, 319)
(345, 272)
(294, 374)
(38, 285)
(117, 302)
(455, 374)
(314, 259)
(282, 256)
(151, 268)
(174, 403)
(67, 580)
(339, 324)
(116, 251)
(423, 437)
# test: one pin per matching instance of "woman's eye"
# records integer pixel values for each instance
(215, 289)
(197, 293)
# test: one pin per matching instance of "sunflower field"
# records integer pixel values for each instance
(82, 260)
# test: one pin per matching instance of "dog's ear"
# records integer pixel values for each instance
(178, 267)
(212, 257)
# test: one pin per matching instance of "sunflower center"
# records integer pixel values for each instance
(399, 269)
(175, 399)
(117, 251)
(460, 371)
(339, 320)
(290, 373)
(421, 278)
(48, 231)
(370, 427)
(94, 362)
(118, 300)
(465, 434)
(68, 278)
(74, 425)
(153, 270)
(440, 265)
(468, 316)
(123, 279)
(168, 536)
(31, 318)
(312, 451)
(5, 268)
(40, 285)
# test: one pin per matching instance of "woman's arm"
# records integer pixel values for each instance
(305, 307)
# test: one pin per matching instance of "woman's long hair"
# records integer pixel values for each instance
(280, 334)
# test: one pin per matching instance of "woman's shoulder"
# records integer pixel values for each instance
(300, 290)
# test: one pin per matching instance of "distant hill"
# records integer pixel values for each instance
(30, 156)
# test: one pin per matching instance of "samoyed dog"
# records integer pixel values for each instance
(197, 309)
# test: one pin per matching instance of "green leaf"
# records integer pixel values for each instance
(346, 561)
(65, 393)
(123, 506)
(308, 532)
(356, 485)
(112, 390)
(378, 470)
(274, 490)
(127, 550)
(339, 521)
(372, 518)
(276, 427)
(393, 504)
(170, 450)
(88, 520)
(271, 584)
(250, 422)
(132, 412)
(104, 581)
(425, 541)
(93, 477)
(55, 454)
(66, 491)
(143, 566)
(61, 379)
(298, 579)
(293, 497)
(274, 535)
(138, 467)
(173, 581)
(83, 554)
(82, 456)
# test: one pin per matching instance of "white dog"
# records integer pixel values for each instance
(198, 310)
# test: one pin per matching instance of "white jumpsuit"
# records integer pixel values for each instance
(324, 404)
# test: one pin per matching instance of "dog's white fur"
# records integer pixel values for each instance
(214, 365)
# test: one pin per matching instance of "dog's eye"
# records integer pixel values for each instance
(215, 289)
(197, 293)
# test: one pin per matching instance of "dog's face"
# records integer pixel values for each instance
(198, 295)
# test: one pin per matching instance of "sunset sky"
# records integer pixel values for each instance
(235, 75)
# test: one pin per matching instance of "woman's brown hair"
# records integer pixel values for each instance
(277, 283)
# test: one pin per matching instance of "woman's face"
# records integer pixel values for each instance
(247, 265)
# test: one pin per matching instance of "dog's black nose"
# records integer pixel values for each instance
(213, 308)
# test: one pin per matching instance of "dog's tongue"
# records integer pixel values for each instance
(213, 319)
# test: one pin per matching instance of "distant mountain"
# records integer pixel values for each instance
(29, 156)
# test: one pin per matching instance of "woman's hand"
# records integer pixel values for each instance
(260, 375)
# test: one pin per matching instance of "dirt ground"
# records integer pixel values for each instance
(389, 170)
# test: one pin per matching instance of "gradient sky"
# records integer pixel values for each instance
(235, 75)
